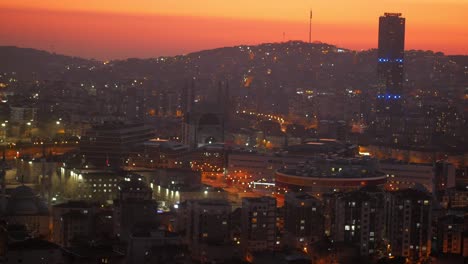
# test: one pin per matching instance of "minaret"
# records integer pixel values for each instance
(187, 96)
(191, 96)
(43, 173)
(183, 98)
(188, 133)
(224, 106)
(220, 98)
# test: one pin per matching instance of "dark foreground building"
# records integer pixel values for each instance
(109, 144)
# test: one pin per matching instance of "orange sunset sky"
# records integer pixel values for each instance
(115, 29)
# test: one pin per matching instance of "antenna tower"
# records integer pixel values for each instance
(310, 27)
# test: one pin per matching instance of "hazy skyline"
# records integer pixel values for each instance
(142, 28)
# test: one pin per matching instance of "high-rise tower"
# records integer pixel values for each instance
(389, 126)
(391, 56)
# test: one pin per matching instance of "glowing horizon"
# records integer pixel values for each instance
(99, 29)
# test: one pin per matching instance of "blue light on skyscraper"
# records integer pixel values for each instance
(389, 60)
(389, 96)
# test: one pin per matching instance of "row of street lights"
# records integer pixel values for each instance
(4, 126)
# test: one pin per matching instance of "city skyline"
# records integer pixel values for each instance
(140, 30)
(290, 151)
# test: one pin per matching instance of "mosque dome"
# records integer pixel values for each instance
(23, 192)
(23, 201)
(209, 119)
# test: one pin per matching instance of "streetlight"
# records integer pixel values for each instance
(4, 130)
(29, 128)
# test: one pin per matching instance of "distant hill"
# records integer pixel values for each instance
(269, 67)
(459, 59)
(290, 64)
(42, 64)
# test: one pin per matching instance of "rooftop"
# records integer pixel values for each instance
(33, 244)
(333, 167)
(413, 194)
(74, 204)
(91, 252)
(209, 202)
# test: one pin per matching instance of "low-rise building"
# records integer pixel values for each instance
(450, 234)
(303, 220)
(359, 219)
(34, 251)
(258, 224)
(403, 175)
(144, 242)
(208, 229)
(410, 224)
(72, 221)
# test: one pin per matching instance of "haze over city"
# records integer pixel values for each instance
(241, 132)
(151, 28)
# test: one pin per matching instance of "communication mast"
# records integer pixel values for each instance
(310, 27)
